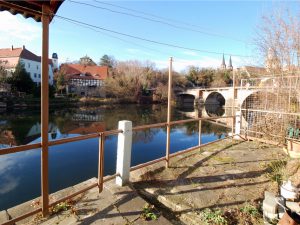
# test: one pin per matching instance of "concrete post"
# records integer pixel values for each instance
(124, 152)
(237, 124)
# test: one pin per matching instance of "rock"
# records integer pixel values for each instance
(270, 206)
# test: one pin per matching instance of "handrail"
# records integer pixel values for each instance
(20, 148)
(101, 136)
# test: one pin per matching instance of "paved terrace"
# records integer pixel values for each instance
(223, 175)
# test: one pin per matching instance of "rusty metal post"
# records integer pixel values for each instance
(45, 110)
(233, 104)
(169, 114)
(101, 162)
(200, 132)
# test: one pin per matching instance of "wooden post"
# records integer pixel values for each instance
(169, 114)
(101, 162)
(45, 110)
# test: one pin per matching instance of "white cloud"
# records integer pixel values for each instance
(190, 53)
(17, 30)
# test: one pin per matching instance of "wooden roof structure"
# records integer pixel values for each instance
(41, 11)
(30, 8)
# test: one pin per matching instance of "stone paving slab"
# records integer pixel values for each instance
(224, 175)
(3, 216)
(113, 206)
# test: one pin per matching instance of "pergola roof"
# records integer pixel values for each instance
(30, 8)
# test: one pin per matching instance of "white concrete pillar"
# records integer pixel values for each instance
(124, 152)
(237, 124)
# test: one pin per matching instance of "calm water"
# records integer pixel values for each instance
(75, 162)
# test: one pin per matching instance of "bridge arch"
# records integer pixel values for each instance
(256, 102)
(215, 98)
(186, 99)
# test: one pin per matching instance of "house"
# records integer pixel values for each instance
(85, 80)
(252, 71)
(10, 57)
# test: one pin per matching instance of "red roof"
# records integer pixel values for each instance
(20, 53)
(74, 71)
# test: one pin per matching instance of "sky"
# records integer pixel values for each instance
(202, 30)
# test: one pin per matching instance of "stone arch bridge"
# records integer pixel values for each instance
(222, 96)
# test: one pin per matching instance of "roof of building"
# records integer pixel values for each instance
(30, 8)
(20, 53)
(73, 71)
(253, 70)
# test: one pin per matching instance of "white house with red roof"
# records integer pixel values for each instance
(85, 80)
(10, 57)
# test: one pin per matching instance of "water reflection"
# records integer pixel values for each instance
(214, 110)
(75, 162)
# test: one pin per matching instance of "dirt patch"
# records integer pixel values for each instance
(224, 176)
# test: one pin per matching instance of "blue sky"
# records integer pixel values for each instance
(234, 21)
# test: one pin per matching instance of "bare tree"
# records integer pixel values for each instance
(278, 41)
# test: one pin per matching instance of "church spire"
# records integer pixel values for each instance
(223, 65)
(230, 67)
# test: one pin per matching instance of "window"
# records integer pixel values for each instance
(28, 65)
(39, 75)
(37, 67)
(34, 75)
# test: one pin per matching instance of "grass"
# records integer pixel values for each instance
(213, 217)
(250, 210)
(276, 171)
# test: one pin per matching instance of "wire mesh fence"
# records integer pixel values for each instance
(272, 110)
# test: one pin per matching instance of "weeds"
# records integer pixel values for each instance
(63, 206)
(149, 212)
(276, 171)
(250, 210)
(213, 217)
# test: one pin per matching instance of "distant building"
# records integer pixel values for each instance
(230, 67)
(223, 65)
(85, 80)
(252, 71)
(10, 57)
(55, 61)
(87, 61)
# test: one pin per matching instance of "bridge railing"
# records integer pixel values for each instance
(101, 141)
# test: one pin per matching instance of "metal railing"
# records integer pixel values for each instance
(101, 178)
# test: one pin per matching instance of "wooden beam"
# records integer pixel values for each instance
(169, 113)
(45, 110)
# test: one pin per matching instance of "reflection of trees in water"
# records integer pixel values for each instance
(145, 136)
(20, 123)
(207, 128)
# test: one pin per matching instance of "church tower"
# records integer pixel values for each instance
(230, 67)
(223, 65)
(55, 61)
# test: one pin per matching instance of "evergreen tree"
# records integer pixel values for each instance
(108, 61)
(21, 80)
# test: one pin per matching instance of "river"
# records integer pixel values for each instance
(75, 162)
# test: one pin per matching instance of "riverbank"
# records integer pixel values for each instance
(32, 103)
